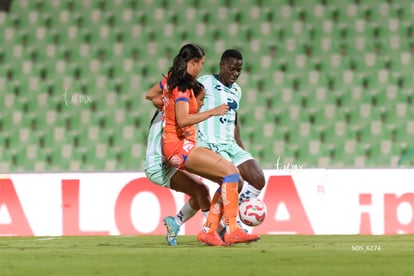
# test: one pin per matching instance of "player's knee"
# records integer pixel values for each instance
(258, 180)
(203, 190)
(194, 203)
(227, 167)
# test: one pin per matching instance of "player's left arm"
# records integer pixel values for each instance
(154, 94)
(237, 134)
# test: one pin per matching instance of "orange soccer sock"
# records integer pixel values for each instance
(215, 213)
(230, 197)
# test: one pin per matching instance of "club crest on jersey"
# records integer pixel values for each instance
(232, 104)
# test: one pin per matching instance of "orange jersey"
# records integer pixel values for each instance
(172, 132)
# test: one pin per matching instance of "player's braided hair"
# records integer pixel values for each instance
(178, 75)
(153, 117)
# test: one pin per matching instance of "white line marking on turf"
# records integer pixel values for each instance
(48, 238)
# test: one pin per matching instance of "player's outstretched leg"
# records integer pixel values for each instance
(229, 193)
(172, 230)
(209, 234)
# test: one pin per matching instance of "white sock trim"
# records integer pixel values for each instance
(248, 191)
(185, 214)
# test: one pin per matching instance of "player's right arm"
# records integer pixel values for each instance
(185, 118)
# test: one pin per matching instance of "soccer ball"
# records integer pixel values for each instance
(252, 211)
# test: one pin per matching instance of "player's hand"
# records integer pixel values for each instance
(220, 110)
(158, 102)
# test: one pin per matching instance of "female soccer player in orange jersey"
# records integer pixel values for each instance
(179, 145)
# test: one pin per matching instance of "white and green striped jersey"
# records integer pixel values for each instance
(153, 155)
(219, 129)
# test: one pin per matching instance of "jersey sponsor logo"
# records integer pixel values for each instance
(224, 120)
(220, 87)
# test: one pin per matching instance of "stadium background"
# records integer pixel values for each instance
(326, 83)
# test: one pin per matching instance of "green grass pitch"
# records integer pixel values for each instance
(149, 255)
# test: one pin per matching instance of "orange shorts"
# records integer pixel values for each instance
(177, 152)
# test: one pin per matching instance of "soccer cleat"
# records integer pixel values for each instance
(211, 238)
(172, 230)
(239, 236)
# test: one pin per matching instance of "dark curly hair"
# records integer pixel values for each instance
(198, 88)
(178, 75)
(231, 53)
